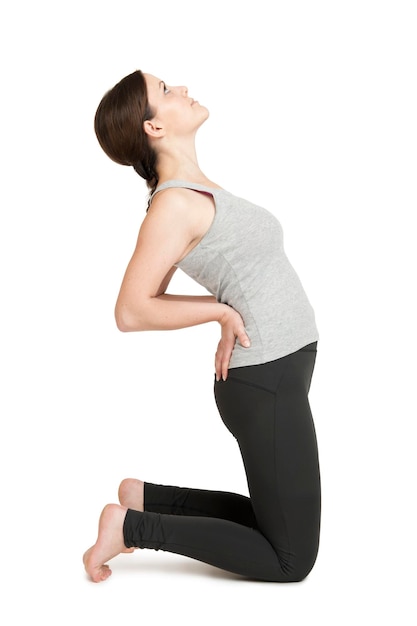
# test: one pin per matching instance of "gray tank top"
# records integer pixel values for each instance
(241, 261)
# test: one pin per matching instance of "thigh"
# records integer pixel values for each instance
(267, 409)
(248, 412)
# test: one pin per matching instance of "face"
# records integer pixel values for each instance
(174, 111)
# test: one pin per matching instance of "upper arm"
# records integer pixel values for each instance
(164, 237)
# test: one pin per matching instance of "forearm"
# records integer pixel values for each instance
(169, 312)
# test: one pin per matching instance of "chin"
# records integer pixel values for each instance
(206, 112)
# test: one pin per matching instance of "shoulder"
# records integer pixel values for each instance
(174, 198)
(184, 205)
(170, 214)
(178, 215)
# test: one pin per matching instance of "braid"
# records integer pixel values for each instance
(147, 171)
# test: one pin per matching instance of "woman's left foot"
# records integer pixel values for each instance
(109, 543)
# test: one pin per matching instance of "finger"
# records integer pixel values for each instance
(243, 338)
(218, 361)
(218, 365)
(225, 359)
(222, 360)
(225, 369)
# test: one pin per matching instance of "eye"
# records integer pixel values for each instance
(166, 90)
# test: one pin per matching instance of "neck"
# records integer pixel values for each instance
(180, 163)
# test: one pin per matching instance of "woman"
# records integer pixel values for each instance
(264, 360)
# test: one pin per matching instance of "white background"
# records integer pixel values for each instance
(312, 115)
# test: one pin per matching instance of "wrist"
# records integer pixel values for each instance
(224, 313)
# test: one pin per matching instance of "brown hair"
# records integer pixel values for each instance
(118, 124)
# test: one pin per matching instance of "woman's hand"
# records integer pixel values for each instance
(232, 329)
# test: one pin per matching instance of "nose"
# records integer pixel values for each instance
(184, 91)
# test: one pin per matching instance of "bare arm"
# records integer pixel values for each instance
(164, 238)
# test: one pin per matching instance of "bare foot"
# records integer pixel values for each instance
(109, 543)
(131, 494)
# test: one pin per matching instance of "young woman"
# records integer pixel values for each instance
(264, 360)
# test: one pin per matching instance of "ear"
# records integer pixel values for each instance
(153, 128)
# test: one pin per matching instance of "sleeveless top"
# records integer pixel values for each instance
(241, 261)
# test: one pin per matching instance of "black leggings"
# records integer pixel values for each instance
(274, 534)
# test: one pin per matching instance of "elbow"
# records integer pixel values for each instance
(127, 321)
(122, 325)
(121, 322)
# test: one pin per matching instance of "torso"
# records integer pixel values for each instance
(234, 249)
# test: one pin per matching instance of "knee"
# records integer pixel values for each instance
(300, 570)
